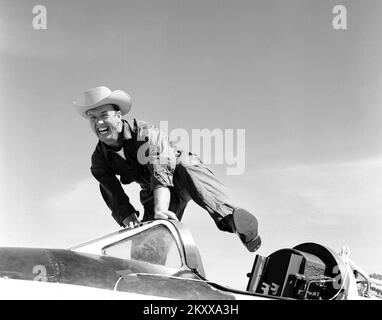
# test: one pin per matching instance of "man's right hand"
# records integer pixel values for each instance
(165, 214)
(131, 221)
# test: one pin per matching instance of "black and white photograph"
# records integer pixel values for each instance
(191, 150)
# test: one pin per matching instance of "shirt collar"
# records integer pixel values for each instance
(126, 132)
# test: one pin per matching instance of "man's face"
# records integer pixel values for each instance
(106, 123)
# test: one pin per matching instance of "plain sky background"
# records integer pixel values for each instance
(308, 97)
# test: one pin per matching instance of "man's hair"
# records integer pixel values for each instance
(115, 107)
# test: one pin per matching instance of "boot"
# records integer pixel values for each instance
(245, 226)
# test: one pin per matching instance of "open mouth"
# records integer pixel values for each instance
(103, 130)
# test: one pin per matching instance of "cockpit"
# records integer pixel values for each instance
(167, 247)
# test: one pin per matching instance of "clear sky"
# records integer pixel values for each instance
(308, 97)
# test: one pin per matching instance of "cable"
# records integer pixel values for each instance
(116, 284)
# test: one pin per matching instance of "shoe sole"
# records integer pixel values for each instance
(254, 244)
(246, 226)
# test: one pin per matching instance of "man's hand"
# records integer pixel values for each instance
(165, 214)
(131, 221)
(162, 198)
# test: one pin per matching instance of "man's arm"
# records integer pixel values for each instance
(162, 197)
(161, 163)
(112, 192)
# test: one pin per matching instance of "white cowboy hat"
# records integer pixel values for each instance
(99, 96)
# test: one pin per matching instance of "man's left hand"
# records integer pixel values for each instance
(131, 221)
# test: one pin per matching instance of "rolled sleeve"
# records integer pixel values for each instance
(161, 157)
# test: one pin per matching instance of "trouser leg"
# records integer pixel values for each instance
(209, 193)
(206, 190)
(147, 201)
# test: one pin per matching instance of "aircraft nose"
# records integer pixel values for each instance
(25, 264)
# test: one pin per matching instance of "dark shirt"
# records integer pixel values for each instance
(150, 161)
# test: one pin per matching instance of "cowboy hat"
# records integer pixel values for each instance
(99, 96)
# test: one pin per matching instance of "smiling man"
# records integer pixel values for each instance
(136, 151)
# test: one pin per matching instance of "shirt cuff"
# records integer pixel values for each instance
(123, 213)
(162, 179)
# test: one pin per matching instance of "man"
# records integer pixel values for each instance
(169, 177)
